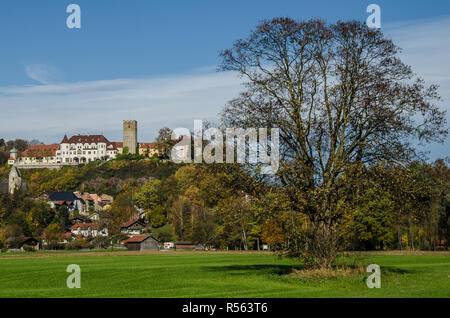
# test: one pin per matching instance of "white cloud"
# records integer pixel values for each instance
(42, 73)
(426, 47)
(46, 112)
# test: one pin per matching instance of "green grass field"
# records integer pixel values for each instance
(213, 275)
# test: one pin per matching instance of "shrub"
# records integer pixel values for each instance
(28, 248)
(101, 242)
(77, 244)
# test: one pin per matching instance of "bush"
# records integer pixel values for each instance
(101, 242)
(54, 246)
(28, 248)
(77, 244)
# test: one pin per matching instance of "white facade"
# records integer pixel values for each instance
(84, 149)
(78, 149)
(88, 230)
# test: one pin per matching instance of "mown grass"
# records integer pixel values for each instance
(216, 275)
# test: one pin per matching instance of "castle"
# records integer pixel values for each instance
(82, 149)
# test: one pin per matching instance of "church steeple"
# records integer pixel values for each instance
(65, 140)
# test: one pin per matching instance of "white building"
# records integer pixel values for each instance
(77, 149)
(88, 230)
(181, 151)
(85, 148)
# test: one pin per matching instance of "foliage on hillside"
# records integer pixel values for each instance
(97, 177)
(385, 207)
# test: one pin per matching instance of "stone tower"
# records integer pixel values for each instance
(130, 136)
(15, 180)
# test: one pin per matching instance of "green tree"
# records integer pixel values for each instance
(150, 196)
(371, 220)
(62, 216)
(52, 235)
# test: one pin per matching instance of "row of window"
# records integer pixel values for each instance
(80, 146)
(79, 152)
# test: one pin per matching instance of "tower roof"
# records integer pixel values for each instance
(14, 150)
(65, 140)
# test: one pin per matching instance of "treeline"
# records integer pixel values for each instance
(225, 206)
(95, 177)
(388, 207)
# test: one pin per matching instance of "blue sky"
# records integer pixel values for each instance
(155, 61)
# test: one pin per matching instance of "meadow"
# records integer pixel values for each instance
(215, 274)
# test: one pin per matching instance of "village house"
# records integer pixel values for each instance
(57, 199)
(63, 238)
(133, 227)
(79, 219)
(94, 217)
(143, 242)
(94, 201)
(88, 230)
(148, 149)
(181, 151)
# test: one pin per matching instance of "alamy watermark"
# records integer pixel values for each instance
(374, 19)
(374, 280)
(249, 145)
(74, 279)
(73, 21)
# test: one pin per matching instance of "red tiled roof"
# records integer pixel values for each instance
(58, 235)
(87, 139)
(136, 239)
(114, 145)
(147, 145)
(130, 223)
(65, 140)
(85, 226)
(41, 150)
(117, 144)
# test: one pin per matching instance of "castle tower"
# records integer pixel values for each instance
(130, 136)
(13, 153)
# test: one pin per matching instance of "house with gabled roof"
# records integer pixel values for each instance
(144, 242)
(87, 230)
(133, 227)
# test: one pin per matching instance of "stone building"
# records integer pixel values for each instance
(130, 136)
(15, 180)
(14, 183)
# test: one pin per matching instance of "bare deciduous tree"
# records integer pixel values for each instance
(340, 96)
